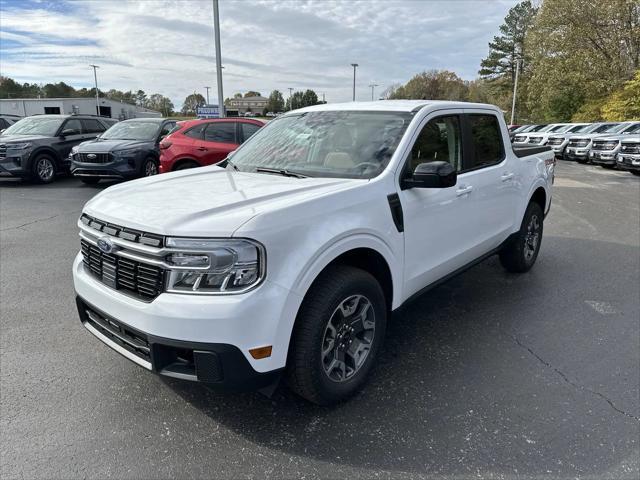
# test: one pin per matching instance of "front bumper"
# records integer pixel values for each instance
(15, 165)
(576, 153)
(219, 365)
(257, 318)
(628, 162)
(119, 168)
(603, 158)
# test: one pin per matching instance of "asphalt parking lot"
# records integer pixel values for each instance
(490, 375)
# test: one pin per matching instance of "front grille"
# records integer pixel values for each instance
(555, 141)
(139, 279)
(94, 157)
(604, 145)
(535, 139)
(3, 150)
(135, 342)
(122, 232)
(578, 143)
(519, 138)
(633, 148)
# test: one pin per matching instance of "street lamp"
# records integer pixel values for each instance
(216, 31)
(373, 86)
(95, 77)
(354, 65)
(290, 98)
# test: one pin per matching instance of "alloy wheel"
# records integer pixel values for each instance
(532, 238)
(150, 168)
(44, 169)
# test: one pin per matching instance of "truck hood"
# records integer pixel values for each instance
(106, 146)
(22, 138)
(208, 201)
(589, 136)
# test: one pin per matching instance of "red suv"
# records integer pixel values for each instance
(197, 143)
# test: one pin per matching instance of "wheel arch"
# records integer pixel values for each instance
(48, 151)
(181, 161)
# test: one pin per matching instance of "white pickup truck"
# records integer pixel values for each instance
(287, 258)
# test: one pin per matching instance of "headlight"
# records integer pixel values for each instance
(19, 146)
(212, 266)
(126, 153)
(74, 149)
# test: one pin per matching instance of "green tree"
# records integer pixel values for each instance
(58, 90)
(309, 97)
(251, 93)
(191, 103)
(141, 98)
(433, 85)
(581, 52)
(237, 95)
(275, 102)
(622, 104)
(160, 103)
(295, 101)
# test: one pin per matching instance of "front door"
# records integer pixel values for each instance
(220, 139)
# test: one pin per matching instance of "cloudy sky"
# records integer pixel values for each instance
(166, 46)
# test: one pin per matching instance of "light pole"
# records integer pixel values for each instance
(216, 31)
(95, 77)
(354, 65)
(290, 98)
(515, 91)
(373, 86)
(207, 88)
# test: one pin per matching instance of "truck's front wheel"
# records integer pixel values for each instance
(338, 334)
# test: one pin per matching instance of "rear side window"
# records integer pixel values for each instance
(221, 132)
(92, 126)
(196, 132)
(73, 124)
(167, 128)
(248, 129)
(486, 138)
(3, 123)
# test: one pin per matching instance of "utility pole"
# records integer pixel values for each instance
(373, 86)
(354, 65)
(95, 77)
(216, 31)
(290, 98)
(207, 94)
(515, 91)
(323, 100)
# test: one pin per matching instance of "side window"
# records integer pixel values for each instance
(196, 132)
(222, 132)
(248, 129)
(167, 128)
(3, 123)
(487, 141)
(92, 126)
(73, 124)
(439, 140)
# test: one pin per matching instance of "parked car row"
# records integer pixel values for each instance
(94, 148)
(608, 144)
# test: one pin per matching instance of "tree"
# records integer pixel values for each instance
(191, 103)
(433, 85)
(275, 102)
(237, 95)
(251, 93)
(141, 98)
(160, 103)
(623, 104)
(302, 99)
(58, 90)
(579, 59)
(309, 97)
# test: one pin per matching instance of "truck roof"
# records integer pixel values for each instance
(394, 106)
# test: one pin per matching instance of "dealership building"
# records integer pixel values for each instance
(248, 104)
(24, 107)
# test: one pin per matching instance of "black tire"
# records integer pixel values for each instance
(582, 160)
(635, 172)
(89, 180)
(608, 166)
(306, 367)
(149, 167)
(521, 252)
(187, 164)
(43, 168)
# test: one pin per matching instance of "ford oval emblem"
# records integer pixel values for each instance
(106, 245)
(91, 156)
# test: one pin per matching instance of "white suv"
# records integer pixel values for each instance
(288, 257)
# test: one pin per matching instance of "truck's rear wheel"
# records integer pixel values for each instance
(521, 252)
(338, 334)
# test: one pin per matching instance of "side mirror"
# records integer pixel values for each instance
(69, 131)
(432, 175)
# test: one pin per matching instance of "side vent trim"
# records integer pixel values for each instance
(396, 211)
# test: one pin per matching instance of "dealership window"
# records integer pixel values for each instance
(439, 140)
(52, 110)
(487, 141)
(223, 132)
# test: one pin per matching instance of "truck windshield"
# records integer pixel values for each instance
(136, 130)
(344, 144)
(45, 126)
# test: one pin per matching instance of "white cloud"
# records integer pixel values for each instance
(167, 46)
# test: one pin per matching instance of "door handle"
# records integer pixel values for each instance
(202, 149)
(506, 177)
(464, 190)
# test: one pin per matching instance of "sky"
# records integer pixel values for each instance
(167, 46)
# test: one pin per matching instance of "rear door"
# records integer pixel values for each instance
(91, 128)
(220, 139)
(74, 135)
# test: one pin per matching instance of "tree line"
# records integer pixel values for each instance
(578, 60)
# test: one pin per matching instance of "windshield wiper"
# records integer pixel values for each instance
(281, 171)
